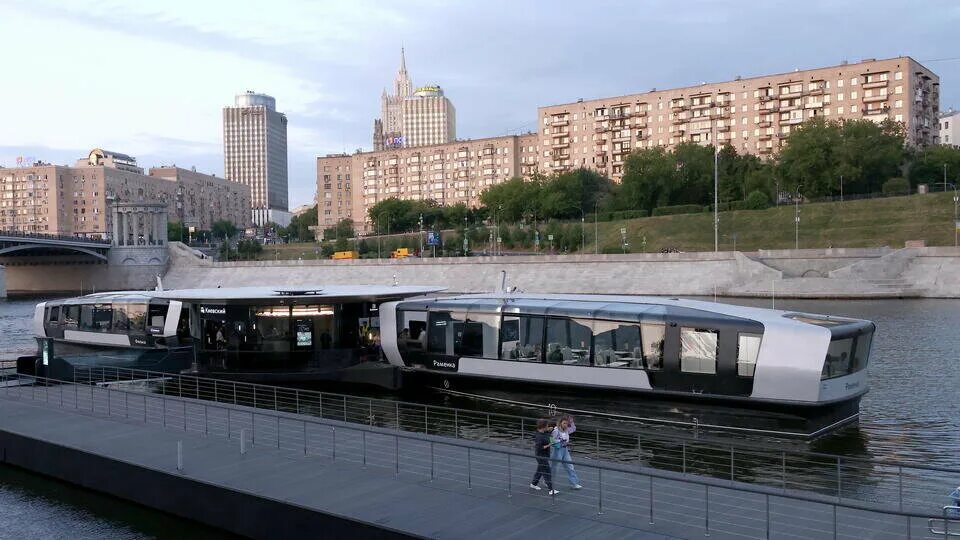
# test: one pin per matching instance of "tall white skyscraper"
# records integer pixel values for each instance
(255, 154)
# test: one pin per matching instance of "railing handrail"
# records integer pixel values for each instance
(644, 471)
(723, 445)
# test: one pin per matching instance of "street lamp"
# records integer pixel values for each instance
(596, 229)
(797, 220)
(583, 233)
(623, 239)
(956, 222)
(716, 191)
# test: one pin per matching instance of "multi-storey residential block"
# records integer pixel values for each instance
(754, 114)
(255, 154)
(76, 200)
(949, 130)
(449, 173)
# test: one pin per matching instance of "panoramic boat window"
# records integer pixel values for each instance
(157, 314)
(521, 338)
(861, 352)
(412, 333)
(440, 327)
(467, 338)
(272, 330)
(748, 348)
(95, 318)
(71, 316)
(653, 337)
(53, 314)
(568, 342)
(129, 317)
(617, 345)
(698, 350)
(839, 359)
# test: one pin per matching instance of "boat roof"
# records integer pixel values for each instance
(631, 307)
(305, 292)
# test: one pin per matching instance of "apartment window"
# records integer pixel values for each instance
(898, 75)
(853, 108)
(840, 96)
(853, 81)
(853, 95)
(898, 90)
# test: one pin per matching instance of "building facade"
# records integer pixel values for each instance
(755, 115)
(413, 118)
(255, 154)
(76, 201)
(452, 173)
(949, 131)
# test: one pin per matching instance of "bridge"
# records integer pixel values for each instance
(18, 244)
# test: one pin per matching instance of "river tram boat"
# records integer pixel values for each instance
(717, 365)
(265, 334)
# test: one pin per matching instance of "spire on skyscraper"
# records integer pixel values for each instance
(403, 61)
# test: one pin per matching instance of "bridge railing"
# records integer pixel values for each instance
(900, 484)
(638, 497)
(45, 236)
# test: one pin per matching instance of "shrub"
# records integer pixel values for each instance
(756, 200)
(896, 186)
(678, 209)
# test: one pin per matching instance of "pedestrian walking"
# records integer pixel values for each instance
(560, 449)
(541, 451)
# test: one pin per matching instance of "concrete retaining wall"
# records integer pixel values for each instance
(840, 273)
(128, 268)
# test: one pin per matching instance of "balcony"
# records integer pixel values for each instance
(678, 121)
(765, 136)
(785, 108)
(640, 114)
(678, 108)
(601, 129)
(815, 91)
(600, 152)
(792, 121)
(723, 129)
(874, 84)
(621, 137)
(766, 98)
(874, 99)
(813, 105)
(765, 150)
(705, 105)
(765, 124)
(559, 144)
(614, 115)
(789, 95)
(558, 122)
(873, 111)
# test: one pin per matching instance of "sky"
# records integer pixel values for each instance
(150, 79)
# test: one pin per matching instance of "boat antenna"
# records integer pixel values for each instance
(159, 284)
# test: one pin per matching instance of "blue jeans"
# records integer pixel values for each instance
(563, 454)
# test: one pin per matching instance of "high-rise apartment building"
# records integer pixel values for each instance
(755, 115)
(55, 199)
(413, 118)
(255, 154)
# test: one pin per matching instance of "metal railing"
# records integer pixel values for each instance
(637, 497)
(899, 485)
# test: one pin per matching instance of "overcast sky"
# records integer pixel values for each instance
(150, 78)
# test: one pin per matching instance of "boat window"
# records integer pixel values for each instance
(521, 338)
(467, 338)
(653, 337)
(272, 326)
(412, 330)
(53, 315)
(71, 316)
(617, 345)
(839, 359)
(698, 350)
(95, 318)
(748, 348)
(568, 342)
(129, 317)
(157, 315)
(862, 351)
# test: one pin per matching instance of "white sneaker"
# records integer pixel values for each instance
(534, 486)
(578, 486)
(553, 492)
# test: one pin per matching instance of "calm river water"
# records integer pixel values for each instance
(910, 414)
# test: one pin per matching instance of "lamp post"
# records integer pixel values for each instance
(421, 233)
(716, 191)
(797, 221)
(623, 239)
(596, 229)
(583, 233)
(956, 222)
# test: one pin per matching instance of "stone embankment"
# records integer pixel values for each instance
(932, 272)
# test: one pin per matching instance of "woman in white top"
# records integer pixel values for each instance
(560, 449)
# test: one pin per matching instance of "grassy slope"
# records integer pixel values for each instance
(865, 223)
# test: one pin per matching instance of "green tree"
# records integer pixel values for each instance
(299, 228)
(175, 231)
(223, 229)
(928, 166)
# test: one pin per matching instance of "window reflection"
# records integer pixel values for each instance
(521, 338)
(617, 344)
(698, 350)
(568, 342)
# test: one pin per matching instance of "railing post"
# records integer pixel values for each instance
(599, 492)
(216, 395)
(363, 444)
(597, 432)
(296, 395)
(180, 456)
(426, 422)
(276, 406)
(488, 425)
(835, 522)
(254, 396)
(731, 464)
(522, 431)
(456, 424)
(767, 510)
(469, 469)
(228, 423)
(900, 485)
(163, 402)
(278, 431)
(683, 449)
(396, 447)
(344, 408)
(706, 509)
(304, 436)
(839, 484)
(108, 401)
(334, 430)
(206, 423)
(509, 475)
(783, 470)
(234, 392)
(184, 416)
(370, 410)
(650, 496)
(126, 403)
(432, 467)
(243, 441)
(397, 413)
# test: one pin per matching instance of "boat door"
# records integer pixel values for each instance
(699, 359)
(440, 335)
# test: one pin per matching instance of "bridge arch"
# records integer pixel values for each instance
(78, 249)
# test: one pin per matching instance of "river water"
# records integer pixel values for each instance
(909, 415)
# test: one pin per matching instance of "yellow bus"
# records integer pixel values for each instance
(401, 253)
(339, 255)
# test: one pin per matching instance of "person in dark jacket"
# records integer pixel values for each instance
(541, 451)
